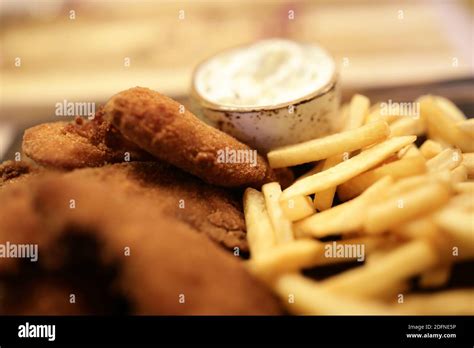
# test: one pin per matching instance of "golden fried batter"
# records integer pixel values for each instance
(16, 171)
(79, 144)
(156, 123)
(164, 267)
(42, 297)
(209, 209)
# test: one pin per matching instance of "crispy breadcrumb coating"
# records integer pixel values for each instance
(159, 258)
(162, 127)
(79, 144)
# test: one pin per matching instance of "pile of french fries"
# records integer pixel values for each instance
(411, 208)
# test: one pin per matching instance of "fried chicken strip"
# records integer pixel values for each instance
(162, 127)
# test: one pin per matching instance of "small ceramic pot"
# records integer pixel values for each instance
(268, 127)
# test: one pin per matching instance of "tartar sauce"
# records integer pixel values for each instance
(266, 73)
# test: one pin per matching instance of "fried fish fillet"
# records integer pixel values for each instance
(79, 144)
(162, 127)
(161, 265)
(16, 171)
(211, 210)
(41, 297)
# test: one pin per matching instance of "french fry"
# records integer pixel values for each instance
(390, 159)
(306, 253)
(347, 169)
(405, 185)
(370, 243)
(406, 206)
(460, 227)
(464, 202)
(322, 148)
(436, 277)
(260, 235)
(441, 124)
(297, 208)
(459, 174)
(457, 249)
(281, 225)
(430, 148)
(394, 292)
(398, 169)
(449, 109)
(376, 113)
(382, 252)
(446, 159)
(407, 126)
(358, 109)
(420, 228)
(378, 277)
(444, 175)
(464, 187)
(323, 200)
(287, 258)
(409, 151)
(451, 302)
(468, 162)
(306, 297)
(440, 141)
(411, 210)
(344, 218)
(316, 169)
(467, 127)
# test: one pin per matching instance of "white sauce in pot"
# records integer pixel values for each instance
(267, 73)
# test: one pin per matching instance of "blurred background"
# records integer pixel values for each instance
(88, 50)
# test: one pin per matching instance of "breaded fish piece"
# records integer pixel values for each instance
(79, 144)
(158, 264)
(158, 125)
(16, 171)
(210, 210)
(40, 297)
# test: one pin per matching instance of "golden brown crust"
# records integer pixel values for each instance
(16, 171)
(210, 210)
(42, 297)
(78, 144)
(166, 258)
(155, 123)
